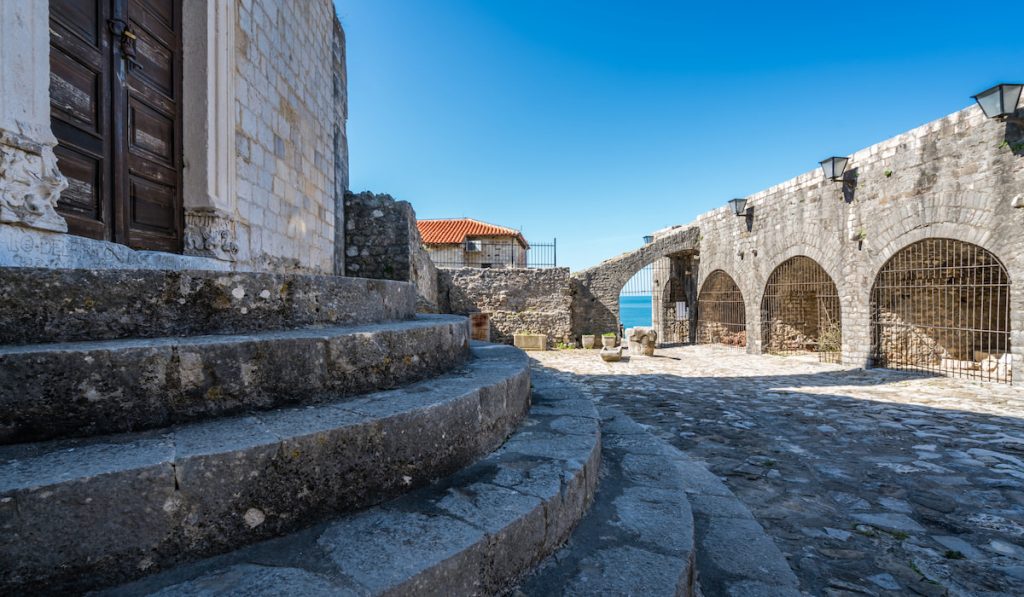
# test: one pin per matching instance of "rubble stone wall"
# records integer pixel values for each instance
(382, 242)
(517, 300)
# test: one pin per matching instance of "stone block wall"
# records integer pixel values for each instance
(382, 242)
(517, 300)
(958, 177)
(291, 150)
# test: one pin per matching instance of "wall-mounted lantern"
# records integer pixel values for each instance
(648, 239)
(1000, 102)
(739, 207)
(834, 167)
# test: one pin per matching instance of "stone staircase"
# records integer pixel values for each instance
(204, 433)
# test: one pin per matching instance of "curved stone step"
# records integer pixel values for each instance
(735, 556)
(89, 388)
(473, 533)
(638, 538)
(82, 513)
(69, 305)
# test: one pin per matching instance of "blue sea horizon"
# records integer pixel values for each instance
(635, 310)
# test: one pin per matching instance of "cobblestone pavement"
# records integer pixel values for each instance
(871, 482)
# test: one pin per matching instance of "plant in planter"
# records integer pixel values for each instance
(608, 339)
(588, 340)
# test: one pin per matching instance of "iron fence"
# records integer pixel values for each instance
(721, 313)
(495, 254)
(800, 311)
(943, 306)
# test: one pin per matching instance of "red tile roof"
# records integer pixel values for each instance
(455, 231)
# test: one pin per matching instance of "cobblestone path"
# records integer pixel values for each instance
(871, 482)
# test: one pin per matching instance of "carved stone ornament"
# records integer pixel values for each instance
(210, 233)
(30, 184)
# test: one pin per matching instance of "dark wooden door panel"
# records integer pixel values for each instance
(116, 113)
(152, 99)
(80, 113)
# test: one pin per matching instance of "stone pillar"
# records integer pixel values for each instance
(30, 182)
(208, 40)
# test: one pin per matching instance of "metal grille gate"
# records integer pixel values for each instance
(639, 290)
(800, 311)
(943, 306)
(721, 316)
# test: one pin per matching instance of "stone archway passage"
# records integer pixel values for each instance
(721, 315)
(800, 311)
(943, 306)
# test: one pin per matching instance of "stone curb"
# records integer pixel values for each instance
(40, 305)
(83, 513)
(90, 388)
(471, 534)
(638, 538)
(735, 556)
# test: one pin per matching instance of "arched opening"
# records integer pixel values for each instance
(943, 305)
(636, 298)
(800, 311)
(721, 316)
(671, 312)
(660, 295)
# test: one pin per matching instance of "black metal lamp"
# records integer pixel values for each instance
(834, 167)
(1000, 102)
(739, 207)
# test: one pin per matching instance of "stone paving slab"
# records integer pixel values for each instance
(871, 482)
(472, 533)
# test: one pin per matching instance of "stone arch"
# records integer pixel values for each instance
(800, 310)
(942, 305)
(721, 311)
(596, 289)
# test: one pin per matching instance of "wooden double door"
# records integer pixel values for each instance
(115, 106)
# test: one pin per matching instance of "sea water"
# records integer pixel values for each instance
(635, 310)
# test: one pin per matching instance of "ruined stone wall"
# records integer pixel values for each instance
(517, 300)
(290, 143)
(595, 308)
(953, 178)
(382, 242)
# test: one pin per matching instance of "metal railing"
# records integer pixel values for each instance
(495, 254)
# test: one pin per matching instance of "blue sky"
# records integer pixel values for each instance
(597, 122)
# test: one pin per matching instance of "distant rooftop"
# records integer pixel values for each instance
(455, 231)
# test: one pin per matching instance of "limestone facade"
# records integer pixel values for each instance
(265, 156)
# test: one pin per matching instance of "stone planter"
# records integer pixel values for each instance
(530, 341)
(588, 340)
(611, 355)
(608, 341)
